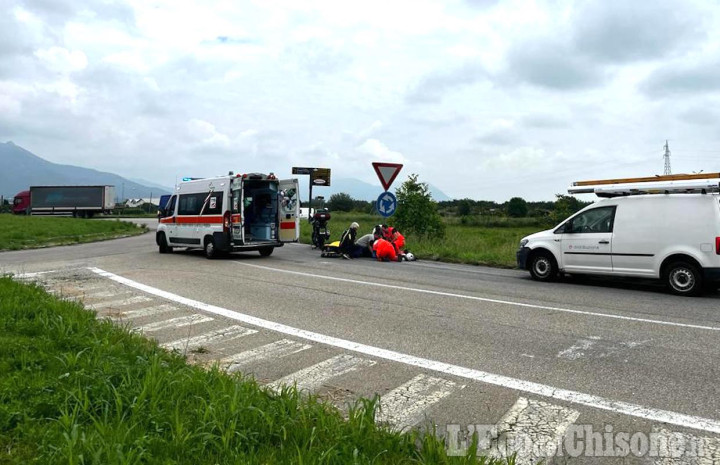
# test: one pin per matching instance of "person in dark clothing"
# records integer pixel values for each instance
(347, 240)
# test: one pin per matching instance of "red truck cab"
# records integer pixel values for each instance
(21, 203)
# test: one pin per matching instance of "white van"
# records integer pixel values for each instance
(231, 213)
(672, 237)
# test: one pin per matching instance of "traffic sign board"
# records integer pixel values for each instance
(387, 172)
(386, 204)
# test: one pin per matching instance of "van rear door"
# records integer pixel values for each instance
(289, 210)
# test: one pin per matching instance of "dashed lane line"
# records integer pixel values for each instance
(119, 302)
(405, 406)
(219, 335)
(543, 390)
(530, 423)
(272, 351)
(312, 378)
(179, 322)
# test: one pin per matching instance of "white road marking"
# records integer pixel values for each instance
(148, 311)
(484, 299)
(405, 406)
(119, 303)
(272, 351)
(543, 390)
(101, 294)
(179, 322)
(312, 378)
(533, 429)
(596, 347)
(674, 448)
(219, 335)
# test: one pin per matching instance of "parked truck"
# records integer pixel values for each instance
(79, 201)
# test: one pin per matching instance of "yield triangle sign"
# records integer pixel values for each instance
(387, 172)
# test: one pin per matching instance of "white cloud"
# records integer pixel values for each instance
(560, 89)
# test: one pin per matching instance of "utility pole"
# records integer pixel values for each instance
(667, 159)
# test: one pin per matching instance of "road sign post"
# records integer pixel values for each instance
(318, 177)
(386, 203)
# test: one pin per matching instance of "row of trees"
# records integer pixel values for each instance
(516, 207)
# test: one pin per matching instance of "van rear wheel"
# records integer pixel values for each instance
(543, 267)
(683, 278)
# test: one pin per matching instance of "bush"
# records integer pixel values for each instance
(417, 213)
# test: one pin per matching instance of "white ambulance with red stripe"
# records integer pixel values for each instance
(233, 213)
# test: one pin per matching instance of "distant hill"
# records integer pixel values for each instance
(359, 190)
(20, 169)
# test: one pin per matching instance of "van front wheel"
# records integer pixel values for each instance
(543, 267)
(683, 278)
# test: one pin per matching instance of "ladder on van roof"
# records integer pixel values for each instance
(702, 183)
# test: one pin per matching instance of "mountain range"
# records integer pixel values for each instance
(20, 169)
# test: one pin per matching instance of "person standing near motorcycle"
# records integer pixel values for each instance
(347, 240)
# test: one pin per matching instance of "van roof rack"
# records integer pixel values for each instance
(671, 184)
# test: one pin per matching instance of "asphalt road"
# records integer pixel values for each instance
(491, 346)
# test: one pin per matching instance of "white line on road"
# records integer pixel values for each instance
(483, 299)
(119, 303)
(102, 294)
(312, 378)
(219, 335)
(405, 406)
(528, 424)
(575, 397)
(675, 448)
(148, 311)
(179, 322)
(272, 351)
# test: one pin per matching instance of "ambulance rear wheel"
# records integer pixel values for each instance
(266, 251)
(210, 250)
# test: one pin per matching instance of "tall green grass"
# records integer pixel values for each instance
(486, 241)
(25, 232)
(75, 390)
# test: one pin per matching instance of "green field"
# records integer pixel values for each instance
(491, 242)
(27, 232)
(76, 390)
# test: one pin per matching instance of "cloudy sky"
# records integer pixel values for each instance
(484, 99)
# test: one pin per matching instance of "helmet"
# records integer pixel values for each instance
(410, 257)
(354, 225)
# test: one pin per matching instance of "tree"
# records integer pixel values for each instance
(416, 210)
(341, 202)
(464, 207)
(517, 207)
(566, 205)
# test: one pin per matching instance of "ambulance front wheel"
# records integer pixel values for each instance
(162, 244)
(266, 251)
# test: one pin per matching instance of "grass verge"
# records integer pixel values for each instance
(476, 244)
(75, 390)
(27, 232)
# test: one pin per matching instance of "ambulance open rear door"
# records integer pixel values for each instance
(289, 210)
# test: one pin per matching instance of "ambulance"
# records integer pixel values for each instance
(233, 213)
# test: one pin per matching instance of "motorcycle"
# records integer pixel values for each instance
(320, 231)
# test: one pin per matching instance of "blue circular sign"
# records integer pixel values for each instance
(386, 204)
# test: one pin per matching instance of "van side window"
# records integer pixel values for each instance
(597, 220)
(214, 206)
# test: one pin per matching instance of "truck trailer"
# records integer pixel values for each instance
(79, 201)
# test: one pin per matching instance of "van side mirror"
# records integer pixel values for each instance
(564, 228)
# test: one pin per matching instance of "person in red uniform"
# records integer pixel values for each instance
(398, 240)
(384, 250)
